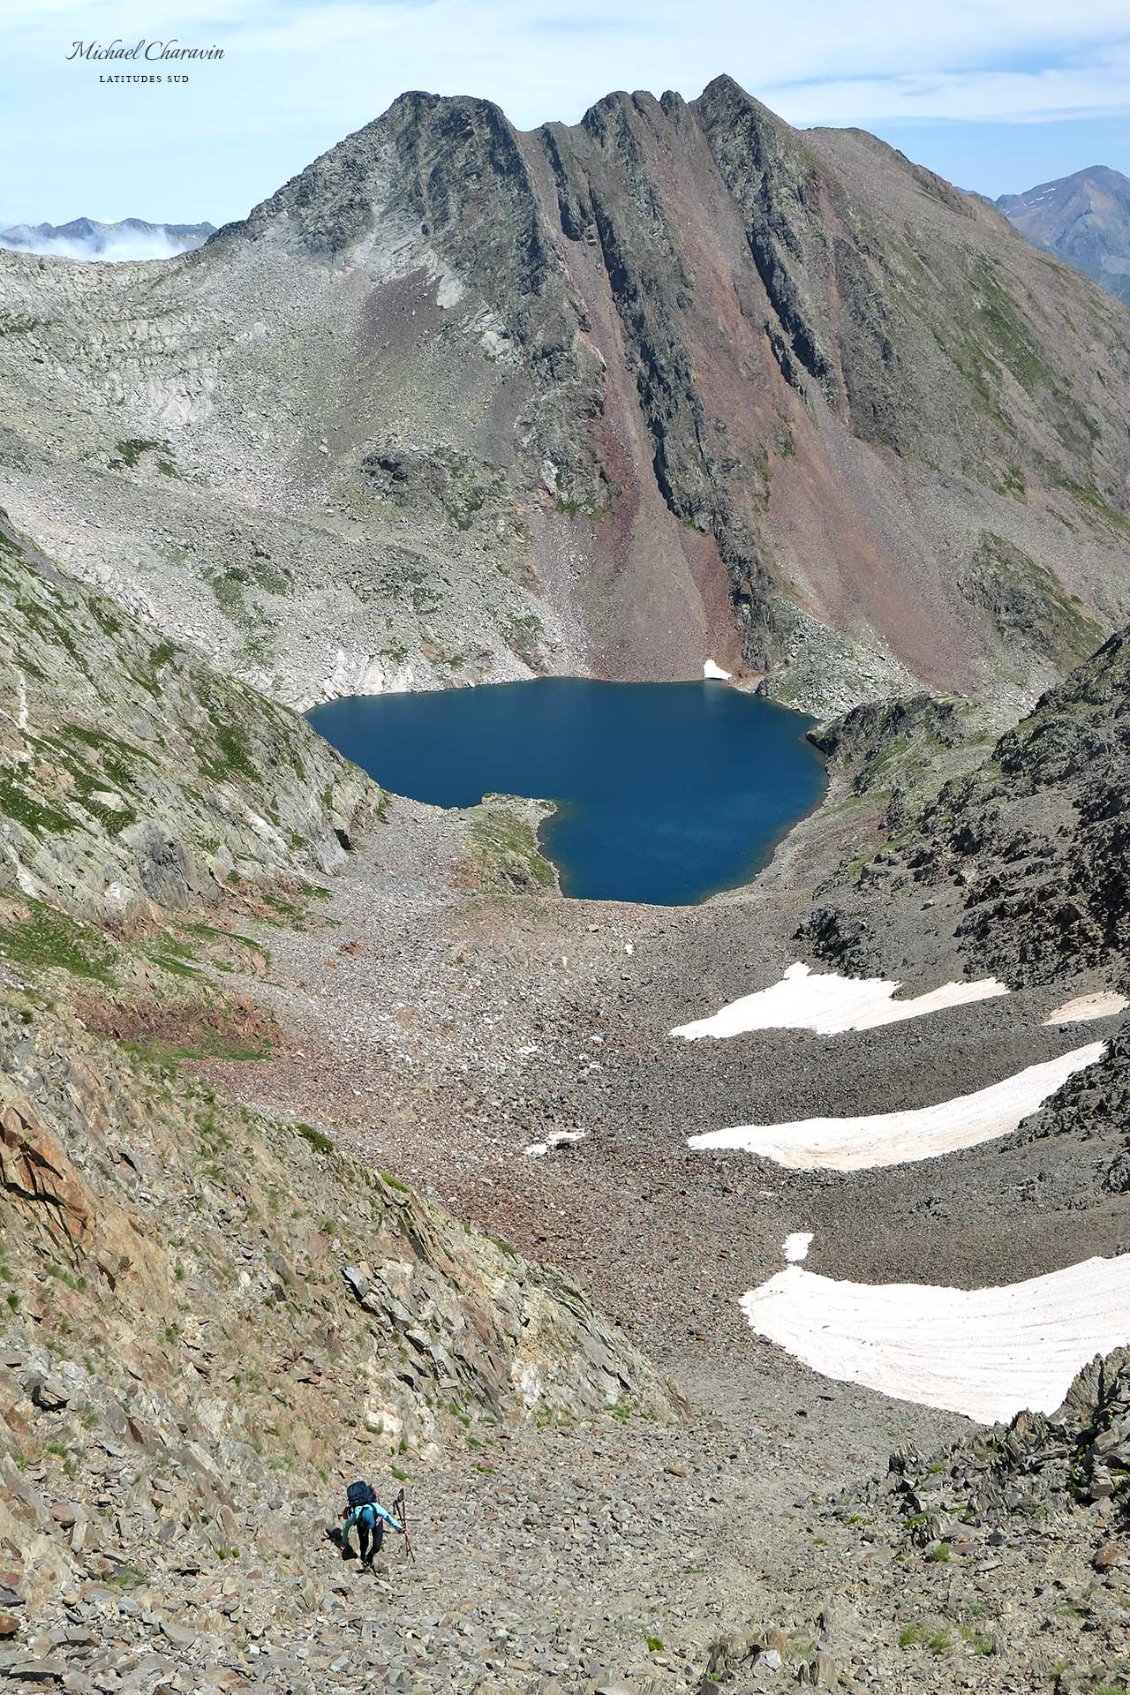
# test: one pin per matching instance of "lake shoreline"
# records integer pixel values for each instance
(666, 794)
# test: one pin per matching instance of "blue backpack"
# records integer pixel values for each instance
(360, 1495)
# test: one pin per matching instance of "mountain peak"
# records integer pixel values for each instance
(89, 238)
(753, 360)
(1083, 219)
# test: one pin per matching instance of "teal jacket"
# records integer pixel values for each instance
(368, 1517)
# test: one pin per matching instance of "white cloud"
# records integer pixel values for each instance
(1098, 88)
(547, 56)
(118, 248)
(299, 74)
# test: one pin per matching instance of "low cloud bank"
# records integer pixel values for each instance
(106, 244)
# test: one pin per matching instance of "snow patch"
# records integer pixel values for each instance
(896, 1138)
(555, 1139)
(1104, 1003)
(987, 1353)
(796, 1246)
(713, 673)
(830, 1004)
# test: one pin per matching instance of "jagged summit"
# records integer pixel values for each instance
(675, 380)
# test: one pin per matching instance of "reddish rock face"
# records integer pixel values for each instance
(769, 367)
(464, 403)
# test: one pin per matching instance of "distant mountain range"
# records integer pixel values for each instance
(1084, 220)
(86, 238)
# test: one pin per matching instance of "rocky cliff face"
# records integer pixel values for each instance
(133, 779)
(232, 1311)
(1025, 858)
(460, 402)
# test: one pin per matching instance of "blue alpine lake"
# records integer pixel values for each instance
(665, 792)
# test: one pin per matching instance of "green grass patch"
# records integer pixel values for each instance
(128, 1577)
(170, 957)
(213, 1044)
(921, 1636)
(115, 755)
(130, 453)
(228, 757)
(500, 1242)
(51, 940)
(318, 1140)
(34, 814)
(1088, 496)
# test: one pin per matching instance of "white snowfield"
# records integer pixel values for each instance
(713, 673)
(1104, 1003)
(829, 1004)
(987, 1353)
(896, 1138)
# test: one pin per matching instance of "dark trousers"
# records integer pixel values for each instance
(369, 1541)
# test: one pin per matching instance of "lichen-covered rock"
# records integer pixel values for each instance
(1039, 1466)
(132, 777)
(227, 1294)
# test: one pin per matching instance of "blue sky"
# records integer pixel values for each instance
(995, 94)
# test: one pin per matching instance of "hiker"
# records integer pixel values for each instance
(366, 1513)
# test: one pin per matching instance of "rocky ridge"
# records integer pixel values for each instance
(134, 780)
(1020, 1517)
(1023, 857)
(460, 402)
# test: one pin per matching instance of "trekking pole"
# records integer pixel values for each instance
(401, 1511)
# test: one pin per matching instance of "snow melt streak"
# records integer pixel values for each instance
(987, 1353)
(895, 1138)
(830, 1004)
(1084, 1008)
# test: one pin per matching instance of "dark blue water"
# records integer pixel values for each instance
(666, 792)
